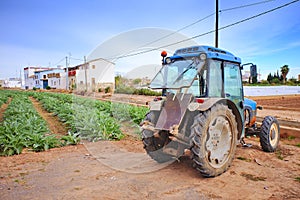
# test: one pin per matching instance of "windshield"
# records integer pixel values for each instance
(178, 74)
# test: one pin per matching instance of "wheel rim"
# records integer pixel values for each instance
(273, 136)
(219, 141)
(247, 117)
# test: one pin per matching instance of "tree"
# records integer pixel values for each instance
(137, 81)
(254, 79)
(270, 78)
(284, 71)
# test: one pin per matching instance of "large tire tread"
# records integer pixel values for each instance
(265, 134)
(199, 128)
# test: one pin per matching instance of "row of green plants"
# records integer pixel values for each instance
(3, 98)
(80, 116)
(87, 119)
(91, 119)
(23, 127)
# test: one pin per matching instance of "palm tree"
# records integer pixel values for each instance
(284, 71)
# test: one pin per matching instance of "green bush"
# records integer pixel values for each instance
(141, 91)
(124, 90)
(107, 90)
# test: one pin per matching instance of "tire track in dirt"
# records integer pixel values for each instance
(55, 126)
(3, 108)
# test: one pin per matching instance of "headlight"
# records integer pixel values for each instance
(168, 60)
(202, 56)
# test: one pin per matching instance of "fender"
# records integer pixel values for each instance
(209, 102)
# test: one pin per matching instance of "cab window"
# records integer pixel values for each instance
(233, 87)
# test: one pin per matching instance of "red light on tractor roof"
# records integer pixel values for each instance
(199, 100)
(164, 54)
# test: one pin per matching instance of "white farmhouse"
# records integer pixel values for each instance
(96, 75)
(53, 78)
(29, 76)
(41, 77)
(93, 76)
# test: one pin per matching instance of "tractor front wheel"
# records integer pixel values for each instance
(155, 143)
(269, 134)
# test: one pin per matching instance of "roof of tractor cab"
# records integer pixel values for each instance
(211, 52)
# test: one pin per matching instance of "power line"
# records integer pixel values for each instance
(204, 18)
(212, 31)
(59, 61)
(76, 59)
(244, 6)
(185, 27)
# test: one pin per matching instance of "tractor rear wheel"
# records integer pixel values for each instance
(269, 134)
(214, 140)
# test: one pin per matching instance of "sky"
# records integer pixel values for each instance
(44, 32)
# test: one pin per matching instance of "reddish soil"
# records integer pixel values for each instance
(290, 102)
(73, 172)
(3, 108)
(122, 170)
(55, 126)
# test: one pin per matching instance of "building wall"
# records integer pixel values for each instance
(29, 84)
(99, 74)
(55, 79)
(1, 83)
(45, 78)
(29, 80)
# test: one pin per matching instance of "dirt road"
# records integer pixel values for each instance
(121, 170)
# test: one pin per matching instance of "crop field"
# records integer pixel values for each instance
(63, 146)
(23, 127)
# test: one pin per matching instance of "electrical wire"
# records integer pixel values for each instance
(204, 18)
(244, 6)
(76, 59)
(209, 32)
(185, 27)
(60, 61)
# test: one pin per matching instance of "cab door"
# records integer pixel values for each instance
(233, 90)
(233, 87)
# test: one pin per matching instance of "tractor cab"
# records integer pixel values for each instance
(207, 74)
(202, 71)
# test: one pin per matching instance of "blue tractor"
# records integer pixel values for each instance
(202, 111)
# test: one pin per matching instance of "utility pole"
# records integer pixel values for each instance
(217, 25)
(67, 74)
(85, 74)
(21, 77)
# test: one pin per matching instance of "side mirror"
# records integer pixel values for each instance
(253, 70)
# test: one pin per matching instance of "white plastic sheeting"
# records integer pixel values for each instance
(270, 90)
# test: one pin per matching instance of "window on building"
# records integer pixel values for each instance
(44, 76)
(93, 67)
